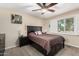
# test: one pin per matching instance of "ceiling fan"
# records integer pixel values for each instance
(45, 7)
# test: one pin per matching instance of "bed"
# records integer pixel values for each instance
(48, 44)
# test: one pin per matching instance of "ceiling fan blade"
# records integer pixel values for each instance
(51, 10)
(36, 9)
(52, 4)
(44, 4)
(39, 4)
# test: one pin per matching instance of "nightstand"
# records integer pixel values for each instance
(23, 40)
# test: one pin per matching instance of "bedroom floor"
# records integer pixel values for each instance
(30, 51)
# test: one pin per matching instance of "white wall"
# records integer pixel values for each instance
(11, 30)
(72, 38)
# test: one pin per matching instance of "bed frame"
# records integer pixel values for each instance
(54, 49)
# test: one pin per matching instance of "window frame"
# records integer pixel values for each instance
(65, 25)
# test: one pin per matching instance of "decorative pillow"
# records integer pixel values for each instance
(39, 32)
(36, 33)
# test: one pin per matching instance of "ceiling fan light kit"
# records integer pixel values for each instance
(44, 10)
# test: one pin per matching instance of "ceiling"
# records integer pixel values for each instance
(28, 7)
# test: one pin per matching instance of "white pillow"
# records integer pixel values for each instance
(36, 33)
(39, 32)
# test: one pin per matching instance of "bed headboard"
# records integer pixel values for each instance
(33, 28)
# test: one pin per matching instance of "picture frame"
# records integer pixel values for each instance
(16, 19)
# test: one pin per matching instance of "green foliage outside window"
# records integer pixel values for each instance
(69, 24)
(66, 24)
(61, 25)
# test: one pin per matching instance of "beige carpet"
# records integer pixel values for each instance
(30, 51)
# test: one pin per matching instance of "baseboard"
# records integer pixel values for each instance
(65, 44)
(10, 47)
(72, 45)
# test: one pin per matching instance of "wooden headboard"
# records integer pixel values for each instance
(33, 28)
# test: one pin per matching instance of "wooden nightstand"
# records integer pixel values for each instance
(23, 41)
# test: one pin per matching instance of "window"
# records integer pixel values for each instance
(69, 26)
(66, 24)
(61, 25)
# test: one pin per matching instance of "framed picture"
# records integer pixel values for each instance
(16, 19)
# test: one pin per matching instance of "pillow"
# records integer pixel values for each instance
(39, 32)
(36, 33)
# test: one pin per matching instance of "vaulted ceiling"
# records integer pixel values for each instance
(28, 7)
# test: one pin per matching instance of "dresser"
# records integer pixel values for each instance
(2, 44)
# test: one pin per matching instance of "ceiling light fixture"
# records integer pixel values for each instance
(44, 10)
